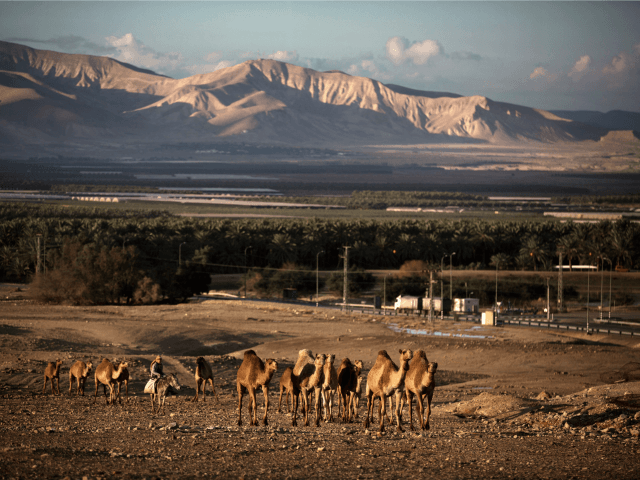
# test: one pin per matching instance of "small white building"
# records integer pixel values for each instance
(466, 305)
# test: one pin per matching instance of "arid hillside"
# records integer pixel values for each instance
(48, 96)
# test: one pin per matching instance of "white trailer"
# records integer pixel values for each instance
(407, 304)
(466, 305)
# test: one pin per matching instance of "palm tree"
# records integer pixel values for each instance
(480, 235)
(534, 248)
(569, 247)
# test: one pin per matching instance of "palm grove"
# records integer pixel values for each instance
(87, 256)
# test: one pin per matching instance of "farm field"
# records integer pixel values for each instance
(509, 402)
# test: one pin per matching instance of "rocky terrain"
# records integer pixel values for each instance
(509, 402)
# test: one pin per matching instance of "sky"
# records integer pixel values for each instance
(550, 55)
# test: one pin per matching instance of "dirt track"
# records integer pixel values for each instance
(518, 403)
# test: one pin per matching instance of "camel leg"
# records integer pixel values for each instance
(81, 386)
(265, 392)
(126, 390)
(213, 390)
(239, 405)
(382, 411)
(294, 408)
(195, 399)
(369, 406)
(44, 388)
(253, 407)
(305, 395)
(426, 423)
(399, 420)
(71, 384)
(153, 408)
(319, 395)
(282, 390)
(410, 403)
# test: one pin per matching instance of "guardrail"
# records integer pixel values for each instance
(558, 326)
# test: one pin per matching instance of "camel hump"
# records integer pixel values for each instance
(249, 353)
(420, 354)
(383, 353)
(201, 361)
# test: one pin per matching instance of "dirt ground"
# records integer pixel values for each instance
(509, 403)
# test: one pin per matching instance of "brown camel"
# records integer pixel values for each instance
(203, 374)
(79, 371)
(313, 383)
(107, 375)
(348, 375)
(384, 380)
(305, 357)
(329, 386)
(254, 373)
(51, 372)
(123, 378)
(420, 381)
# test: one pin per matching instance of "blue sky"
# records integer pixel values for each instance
(550, 55)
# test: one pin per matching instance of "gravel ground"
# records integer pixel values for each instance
(512, 404)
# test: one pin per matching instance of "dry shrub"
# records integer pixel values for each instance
(413, 268)
(147, 292)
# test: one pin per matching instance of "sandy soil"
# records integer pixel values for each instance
(510, 402)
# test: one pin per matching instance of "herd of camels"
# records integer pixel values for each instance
(414, 377)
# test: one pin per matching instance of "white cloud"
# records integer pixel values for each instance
(539, 72)
(284, 56)
(209, 67)
(580, 68)
(400, 51)
(619, 64)
(131, 50)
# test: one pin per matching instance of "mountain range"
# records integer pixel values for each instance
(49, 97)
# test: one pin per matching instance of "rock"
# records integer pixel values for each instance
(635, 432)
(543, 396)
(171, 426)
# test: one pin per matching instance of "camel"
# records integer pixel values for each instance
(254, 373)
(203, 373)
(163, 387)
(80, 371)
(123, 377)
(329, 386)
(385, 379)
(107, 375)
(312, 380)
(51, 372)
(290, 382)
(305, 357)
(348, 375)
(420, 381)
(358, 393)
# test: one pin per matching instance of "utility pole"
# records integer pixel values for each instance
(560, 269)
(38, 264)
(346, 267)
(548, 304)
(431, 296)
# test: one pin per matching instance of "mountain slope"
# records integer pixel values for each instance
(63, 95)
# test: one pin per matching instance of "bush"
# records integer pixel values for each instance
(358, 281)
(273, 282)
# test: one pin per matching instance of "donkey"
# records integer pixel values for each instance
(164, 386)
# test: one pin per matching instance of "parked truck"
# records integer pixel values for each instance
(420, 305)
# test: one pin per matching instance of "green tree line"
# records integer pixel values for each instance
(159, 241)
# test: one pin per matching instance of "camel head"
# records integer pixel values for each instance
(89, 367)
(320, 359)
(305, 353)
(405, 356)
(358, 366)
(271, 365)
(330, 359)
(433, 366)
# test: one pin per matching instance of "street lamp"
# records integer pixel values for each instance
(245, 270)
(384, 294)
(497, 265)
(179, 252)
(450, 276)
(588, 288)
(317, 259)
(442, 286)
